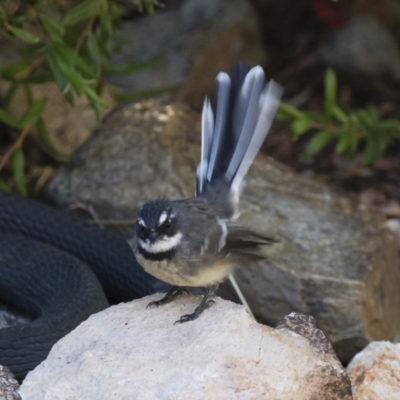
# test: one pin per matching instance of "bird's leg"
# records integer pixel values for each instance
(205, 303)
(169, 296)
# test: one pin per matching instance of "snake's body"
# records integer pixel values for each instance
(59, 270)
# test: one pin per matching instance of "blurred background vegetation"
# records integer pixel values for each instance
(352, 131)
(66, 42)
(71, 44)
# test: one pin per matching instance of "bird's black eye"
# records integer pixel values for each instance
(142, 229)
(167, 223)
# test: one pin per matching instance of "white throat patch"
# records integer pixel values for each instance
(161, 245)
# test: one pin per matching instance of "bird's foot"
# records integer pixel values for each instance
(169, 296)
(205, 303)
(197, 312)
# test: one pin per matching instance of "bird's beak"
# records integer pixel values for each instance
(153, 236)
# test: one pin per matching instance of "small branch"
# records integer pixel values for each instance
(37, 62)
(88, 28)
(112, 221)
(17, 144)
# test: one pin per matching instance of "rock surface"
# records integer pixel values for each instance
(375, 372)
(353, 48)
(8, 385)
(336, 261)
(132, 352)
(212, 33)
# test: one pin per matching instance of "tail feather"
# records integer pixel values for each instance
(234, 126)
(246, 113)
(223, 92)
(207, 129)
(268, 105)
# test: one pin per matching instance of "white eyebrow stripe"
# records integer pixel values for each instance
(161, 245)
(162, 218)
(141, 222)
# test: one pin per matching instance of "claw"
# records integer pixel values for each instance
(205, 303)
(169, 296)
(196, 314)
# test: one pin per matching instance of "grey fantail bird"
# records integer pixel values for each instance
(194, 242)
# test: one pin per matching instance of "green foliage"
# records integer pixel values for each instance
(18, 170)
(68, 42)
(352, 131)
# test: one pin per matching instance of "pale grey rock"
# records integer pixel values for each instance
(336, 260)
(133, 352)
(375, 372)
(8, 385)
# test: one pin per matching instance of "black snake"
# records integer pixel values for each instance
(59, 270)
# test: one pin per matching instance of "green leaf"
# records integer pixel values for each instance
(10, 93)
(133, 67)
(28, 93)
(344, 144)
(340, 115)
(290, 111)
(148, 6)
(93, 96)
(373, 111)
(96, 108)
(2, 13)
(280, 116)
(45, 140)
(69, 96)
(4, 186)
(354, 118)
(23, 35)
(371, 151)
(71, 57)
(352, 144)
(104, 32)
(82, 12)
(8, 119)
(383, 143)
(33, 113)
(53, 28)
(330, 84)
(318, 142)
(73, 77)
(8, 72)
(390, 124)
(375, 145)
(58, 74)
(300, 126)
(94, 53)
(315, 116)
(117, 10)
(18, 171)
(366, 118)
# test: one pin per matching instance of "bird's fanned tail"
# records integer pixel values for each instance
(234, 126)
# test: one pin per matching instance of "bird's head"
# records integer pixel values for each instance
(157, 227)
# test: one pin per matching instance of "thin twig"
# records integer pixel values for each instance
(37, 62)
(17, 144)
(88, 28)
(240, 295)
(112, 221)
